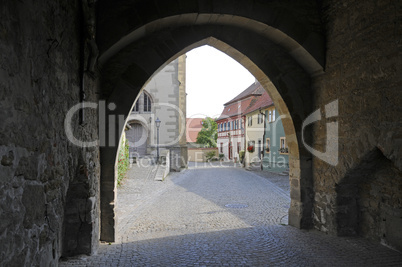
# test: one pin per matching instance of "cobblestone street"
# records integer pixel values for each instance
(220, 216)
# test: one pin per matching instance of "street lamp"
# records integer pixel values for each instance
(158, 124)
(263, 137)
(230, 147)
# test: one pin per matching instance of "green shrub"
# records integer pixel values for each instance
(123, 162)
(221, 156)
(210, 155)
(241, 156)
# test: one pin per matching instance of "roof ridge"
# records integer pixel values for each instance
(249, 91)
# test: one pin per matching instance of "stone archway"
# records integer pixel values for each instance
(269, 53)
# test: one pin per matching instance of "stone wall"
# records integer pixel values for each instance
(49, 187)
(363, 72)
(368, 201)
(199, 154)
(40, 169)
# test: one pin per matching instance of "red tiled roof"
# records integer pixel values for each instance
(262, 101)
(193, 127)
(253, 89)
(249, 100)
(235, 109)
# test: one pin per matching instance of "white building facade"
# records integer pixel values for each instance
(230, 137)
(163, 97)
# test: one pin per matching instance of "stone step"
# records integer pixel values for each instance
(160, 173)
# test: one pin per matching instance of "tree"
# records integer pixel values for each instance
(209, 133)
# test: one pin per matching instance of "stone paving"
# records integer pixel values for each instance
(220, 216)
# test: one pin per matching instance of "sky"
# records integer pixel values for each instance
(212, 79)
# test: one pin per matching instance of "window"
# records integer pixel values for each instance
(283, 146)
(136, 107)
(147, 103)
(260, 118)
(250, 121)
(221, 148)
(224, 126)
(251, 146)
(241, 122)
(271, 114)
(268, 145)
(238, 147)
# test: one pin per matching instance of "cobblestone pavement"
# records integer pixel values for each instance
(220, 217)
(280, 181)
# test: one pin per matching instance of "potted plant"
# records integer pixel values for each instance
(210, 155)
(221, 156)
(241, 156)
(250, 149)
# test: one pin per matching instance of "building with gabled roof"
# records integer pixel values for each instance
(254, 127)
(265, 134)
(249, 122)
(231, 121)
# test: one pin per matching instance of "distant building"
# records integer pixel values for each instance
(163, 97)
(254, 133)
(276, 152)
(231, 122)
(193, 127)
(250, 123)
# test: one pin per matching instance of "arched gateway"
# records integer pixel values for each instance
(271, 41)
(333, 63)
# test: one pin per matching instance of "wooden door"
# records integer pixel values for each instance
(137, 139)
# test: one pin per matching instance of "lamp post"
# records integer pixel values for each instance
(158, 124)
(230, 147)
(263, 137)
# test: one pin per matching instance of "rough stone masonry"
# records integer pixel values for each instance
(314, 52)
(48, 187)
